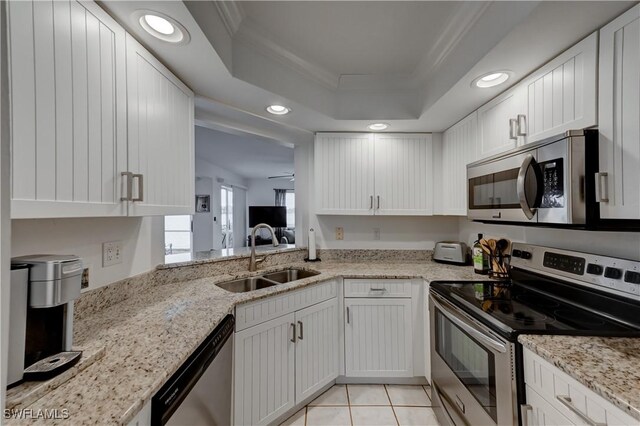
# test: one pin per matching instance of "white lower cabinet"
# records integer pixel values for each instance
(280, 362)
(378, 337)
(556, 399)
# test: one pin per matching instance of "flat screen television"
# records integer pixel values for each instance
(274, 216)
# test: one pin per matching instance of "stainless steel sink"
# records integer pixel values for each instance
(289, 275)
(246, 284)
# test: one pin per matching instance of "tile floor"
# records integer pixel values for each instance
(361, 405)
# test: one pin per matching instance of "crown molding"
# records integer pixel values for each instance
(457, 27)
(250, 34)
(231, 14)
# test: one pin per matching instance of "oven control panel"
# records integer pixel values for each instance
(609, 274)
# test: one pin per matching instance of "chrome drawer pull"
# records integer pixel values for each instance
(381, 290)
(566, 401)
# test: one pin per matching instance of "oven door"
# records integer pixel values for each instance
(505, 189)
(472, 371)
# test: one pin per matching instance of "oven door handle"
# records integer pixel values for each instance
(529, 210)
(454, 317)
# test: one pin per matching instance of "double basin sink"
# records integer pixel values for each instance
(244, 285)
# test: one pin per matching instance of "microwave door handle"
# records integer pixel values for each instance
(468, 328)
(529, 210)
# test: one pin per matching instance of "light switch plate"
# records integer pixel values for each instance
(111, 253)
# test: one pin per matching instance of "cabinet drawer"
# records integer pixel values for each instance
(377, 288)
(542, 413)
(253, 313)
(571, 398)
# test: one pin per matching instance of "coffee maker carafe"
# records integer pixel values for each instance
(41, 315)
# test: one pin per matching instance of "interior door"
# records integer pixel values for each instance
(316, 347)
(378, 337)
(403, 174)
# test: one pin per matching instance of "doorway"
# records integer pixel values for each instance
(226, 216)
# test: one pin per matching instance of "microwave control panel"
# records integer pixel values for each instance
(553, 177)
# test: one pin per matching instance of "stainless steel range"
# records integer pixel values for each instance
(476, 369)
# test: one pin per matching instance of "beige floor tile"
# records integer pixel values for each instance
(415, 416)
(333, 416)
(373, 416)
(367, 395)
(408, 395)
(336, 395)
(298, 419)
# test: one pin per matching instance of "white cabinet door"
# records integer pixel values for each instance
(316, 347)
(619, 115)
(378, 338)
(541, 413)
(161, 137)
(264, 371)
(494, 130)
(562, 94)
(344, 170)
(458, 149)
(403, 174)
(68, 101)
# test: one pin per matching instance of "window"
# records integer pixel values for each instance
(177, 234)
(290, 203)
(226, 216)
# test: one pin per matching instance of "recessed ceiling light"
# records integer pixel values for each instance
(378, 126)
(278, 109)
(161, 26)
(491, 79)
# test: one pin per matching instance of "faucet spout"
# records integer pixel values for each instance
(253, 262)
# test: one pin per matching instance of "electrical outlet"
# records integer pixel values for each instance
(376, 234)
(85, 278)
(339, 233)
(111, 253)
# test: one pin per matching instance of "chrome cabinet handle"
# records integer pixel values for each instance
(513, 129)
(378, 203)
(293, 334)
(301, 335)
(348, 320)
(522, 125)
(370, 202)
(497, 216)
(566, 401)
(524, 413)
(380, 290)
(128, 180)
(140, 186)
(602, 191)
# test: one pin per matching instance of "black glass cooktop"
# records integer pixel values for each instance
(529, 304)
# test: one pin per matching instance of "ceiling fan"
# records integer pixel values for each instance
(290, 176)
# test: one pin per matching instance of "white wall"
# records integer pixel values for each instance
(261, 192)
(616, 244)
(142, 243)
(204, 169)
(5, 224)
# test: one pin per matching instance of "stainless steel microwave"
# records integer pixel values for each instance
(539, 183)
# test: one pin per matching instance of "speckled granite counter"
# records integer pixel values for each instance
(606, 365)
(151, 327)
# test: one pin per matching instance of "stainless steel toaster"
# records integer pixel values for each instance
(451, 252)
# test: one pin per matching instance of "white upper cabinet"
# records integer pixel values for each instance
(497, 122)
(344, 167)
(619, 115)
(562, 95)
(161, 137)
(403, 174)
(74, 77)
(68, 109)
(459, 144)
(366, 174)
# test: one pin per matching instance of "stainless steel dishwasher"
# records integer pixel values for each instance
(199, 393)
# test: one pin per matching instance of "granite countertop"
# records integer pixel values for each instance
(151, 333)
(606, 365)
